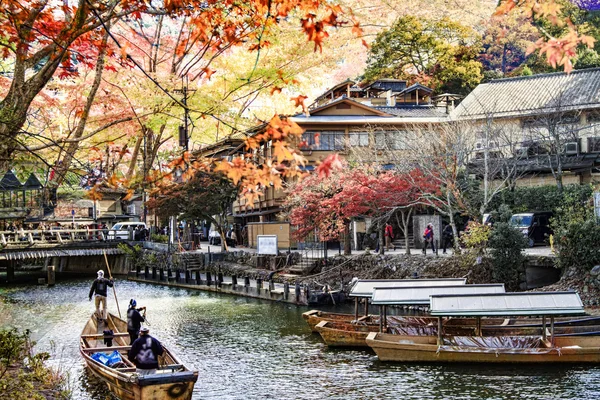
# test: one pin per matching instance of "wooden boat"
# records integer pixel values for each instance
(546, 348)
(363, 290)
(313, 317)
(171, 381)
(343, 334)
(567, 349)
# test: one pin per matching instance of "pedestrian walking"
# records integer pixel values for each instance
(428, 238)
(389, 235)
(447, 236)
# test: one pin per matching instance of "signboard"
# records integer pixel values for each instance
(266, 244)
(597, 205)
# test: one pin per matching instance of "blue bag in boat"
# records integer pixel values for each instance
(114, 358)
(100, 357)
(107, 359)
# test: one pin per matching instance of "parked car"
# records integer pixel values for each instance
(535, 226)
(124, 230)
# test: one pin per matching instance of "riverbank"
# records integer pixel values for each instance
(24, 374)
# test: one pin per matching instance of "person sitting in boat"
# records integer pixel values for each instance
(100, 286)
(134, 320)
(144, 353)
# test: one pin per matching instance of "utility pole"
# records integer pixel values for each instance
(184, 135)
(145, 155)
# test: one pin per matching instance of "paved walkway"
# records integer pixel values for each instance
(205, 247)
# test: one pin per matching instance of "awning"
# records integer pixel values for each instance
(507, 304)
(365, 287)
(36, 254)
(421, 295)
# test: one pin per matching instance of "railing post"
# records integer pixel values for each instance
(286, 290)
(234, 281)
(247, 283)
(208, 279)
(297, 290)
(51, 275)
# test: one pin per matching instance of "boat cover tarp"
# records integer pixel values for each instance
(494, 342)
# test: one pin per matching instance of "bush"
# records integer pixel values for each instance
(23, 374)
(541, 198)
(506, 248)
(576, 236)
(155, 237)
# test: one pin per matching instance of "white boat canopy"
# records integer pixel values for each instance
(507, 304)
(421, 295)
(365, 287)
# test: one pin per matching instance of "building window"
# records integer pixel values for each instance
(390, 141)
(594, 145)
(359, 139)
(327, 140)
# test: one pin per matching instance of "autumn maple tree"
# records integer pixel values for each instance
(325, 205)
(205, 195)
(558, 50)
(42, 40)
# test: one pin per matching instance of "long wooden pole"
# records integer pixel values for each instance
(114, 290)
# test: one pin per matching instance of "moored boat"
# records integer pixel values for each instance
(171, 381)
(544, 348)
(362, 290)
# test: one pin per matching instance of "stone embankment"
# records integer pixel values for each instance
(339, 271)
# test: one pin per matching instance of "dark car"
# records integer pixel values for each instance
(535, 226)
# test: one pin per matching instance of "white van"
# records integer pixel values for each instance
(124, 230)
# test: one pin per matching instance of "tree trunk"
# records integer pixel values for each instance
(347, 245)
(381, 239)
(62, 166)
(403, 223)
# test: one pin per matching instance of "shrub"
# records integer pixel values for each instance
(155, 237)
(576, 236)
(541, 198)
(24, 375)
(506, 248)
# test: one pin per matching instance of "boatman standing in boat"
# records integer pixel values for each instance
(144, 353)
(100, 287)
(134, 320)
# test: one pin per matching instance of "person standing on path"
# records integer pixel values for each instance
(389, 235)
(428, 238)
(100, 286)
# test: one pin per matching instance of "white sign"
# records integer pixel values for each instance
(266, 244)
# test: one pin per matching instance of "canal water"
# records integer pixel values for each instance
(251, 349)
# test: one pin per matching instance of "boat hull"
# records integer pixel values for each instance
(175, 383)
(344, 334)
(424, 349)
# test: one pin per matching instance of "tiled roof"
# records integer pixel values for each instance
(532, 95)
(414, 112)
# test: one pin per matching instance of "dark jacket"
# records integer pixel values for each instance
(100, 286)
(145, 351)
(134, 320)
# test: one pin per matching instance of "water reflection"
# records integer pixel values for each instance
(250, 349)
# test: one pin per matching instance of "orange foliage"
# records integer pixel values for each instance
(558, 51)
